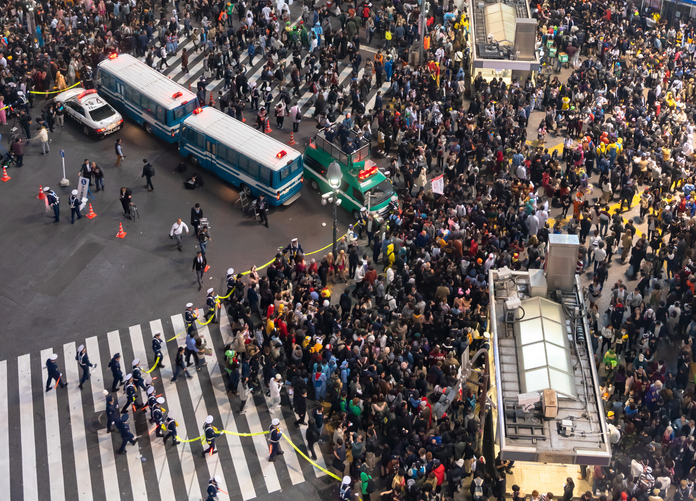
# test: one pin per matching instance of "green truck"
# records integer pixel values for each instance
(362, 186)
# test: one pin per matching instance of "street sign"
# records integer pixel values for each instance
(82, 187)
(62, 153)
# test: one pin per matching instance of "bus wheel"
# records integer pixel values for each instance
(148, 128)
(246, 190)
(356, 215)
(315, 186)
(193, 160)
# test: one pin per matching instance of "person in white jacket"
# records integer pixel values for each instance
(275, 385)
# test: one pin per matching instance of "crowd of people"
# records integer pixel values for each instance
(382, 360)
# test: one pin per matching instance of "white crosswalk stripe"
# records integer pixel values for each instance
(55, 463)
(147, 469)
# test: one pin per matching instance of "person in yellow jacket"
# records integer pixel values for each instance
(390, 256)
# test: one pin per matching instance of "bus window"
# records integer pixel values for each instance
(243, 163)
(200, 140)
(222, 152)
(161, 114)
(148, 105)
(231, 157)
(211, 147)
(253, 169)
(264, 175)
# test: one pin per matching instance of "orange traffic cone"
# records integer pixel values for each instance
(207, 267)
(212, 98)
(5, 177)
(41, 193)
(91, 214)
(292, 139)
(268, 127)
(121, 233)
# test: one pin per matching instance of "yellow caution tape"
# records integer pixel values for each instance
(202, 437)
(307, 254)
(305, 456)
(47, 92)
(153, 367)
(182, 332)
(228, 295)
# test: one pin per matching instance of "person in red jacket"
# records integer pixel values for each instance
(439, 471)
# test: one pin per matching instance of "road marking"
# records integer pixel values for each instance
(173, 406)
(97, 377)
(4, 431)
(269, 471)
(241, 468)
(77, 424)
(55, 463)
(26, 429)
(200, 411)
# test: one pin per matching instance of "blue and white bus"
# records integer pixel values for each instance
(155, 102)
(241, 155)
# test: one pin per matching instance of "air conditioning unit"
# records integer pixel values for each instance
(511, 307)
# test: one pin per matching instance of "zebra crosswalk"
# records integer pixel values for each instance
(195, 72)
(58, 447)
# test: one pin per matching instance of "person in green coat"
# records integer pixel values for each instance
(304, 37)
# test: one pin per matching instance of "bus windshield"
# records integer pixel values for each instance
(185, 110)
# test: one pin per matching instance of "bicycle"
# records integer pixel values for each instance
(133, 212)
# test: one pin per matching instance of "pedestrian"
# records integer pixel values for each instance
(192, 351)
(274, 445)
(157, 343)
(158, 416)
(86, 171)
(74, 203)
(184, 61)
(131, 394)
(275, 385)
(203, 234)
(179, 364)
(54, 202)
(111, 411)
(199, 264)
(196, 216)
(262, 208)
(243, 392)
(84, 363)
(115, 366)
(312, 436)
(125, 196)
(54, 373)
(137, 373)
(211, 303)
(210, 436)
(17, 149)
(148, 172)
(43, 135)
(280, 114)
(98, 175)
(190, 318)
(177, 229)
(170, 425)
(126, 435)
(119, 152)
(300, 403)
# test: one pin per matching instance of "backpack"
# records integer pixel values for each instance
(151, 169)
(478, 489)
(371, 486)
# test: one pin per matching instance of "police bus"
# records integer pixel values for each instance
(241, 155)
(155, 102)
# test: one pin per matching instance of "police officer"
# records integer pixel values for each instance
(211, 304)
(294, 249)
(151, 401)
(53, 372)
(213, 488)
(231, 281)
(158, 416)
(171, 424)
(190, 318)
(345, 491)
(131, 394)
(115, 366)
(84, 363)
(74, 203)
(53, 202)
(137, 372)
(274, 446)
(262, 208)
(111, 411)
(157, 343)
(210, 435)
(362, 222)
(126, 435)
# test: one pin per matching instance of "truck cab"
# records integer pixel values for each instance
(363, 185)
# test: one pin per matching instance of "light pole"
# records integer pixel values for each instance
(335, 175)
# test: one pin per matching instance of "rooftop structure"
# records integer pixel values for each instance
(547, 391)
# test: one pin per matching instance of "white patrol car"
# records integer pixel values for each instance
(91, 111)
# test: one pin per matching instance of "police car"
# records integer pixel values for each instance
(94, 114)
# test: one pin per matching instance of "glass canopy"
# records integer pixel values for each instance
(501, 20)
(543, 350)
